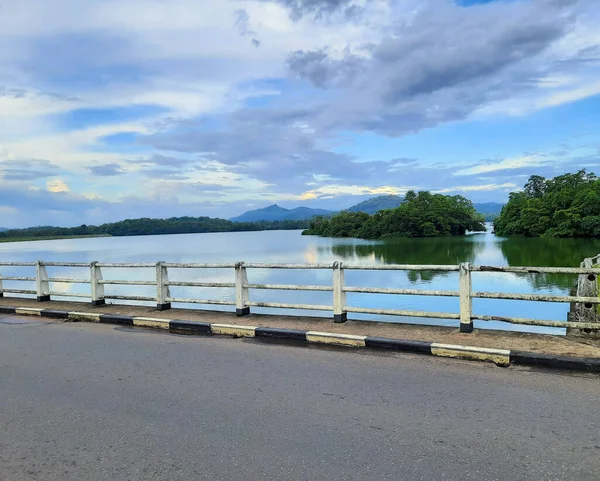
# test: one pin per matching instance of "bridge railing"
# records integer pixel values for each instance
(44, 288)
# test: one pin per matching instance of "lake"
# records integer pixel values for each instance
(291, 247)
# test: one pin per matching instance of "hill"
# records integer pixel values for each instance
(146, 226)
(370, 206)
(276, 213)
(490, 210)
(421, 214)
(490, 207)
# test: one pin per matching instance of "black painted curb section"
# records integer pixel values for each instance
(420, 347)
(189, 327)
(116, 319)
(54, 314)
(275, 333)
(555, 362)
(522, 358)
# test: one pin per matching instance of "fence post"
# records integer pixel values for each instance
(241, 291)
(339, 296)
(42, 286)
(97, 288)
(162, 287)
(466, 303)
(1, 286)
(587, 286)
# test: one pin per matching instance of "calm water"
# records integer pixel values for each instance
(291, 247)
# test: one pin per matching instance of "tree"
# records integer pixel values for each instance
(565, 206)
(535, 186)
(422, 214)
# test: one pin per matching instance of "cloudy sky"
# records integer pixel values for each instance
(112, 109)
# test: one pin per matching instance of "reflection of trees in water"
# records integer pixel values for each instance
(517, 251)
(528, 251)
(442, 250)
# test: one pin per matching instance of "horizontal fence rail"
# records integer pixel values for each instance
(338, 288)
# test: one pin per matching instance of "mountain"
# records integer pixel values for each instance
(2, 229)
(276, 213)
(489, 208)
(370, 206)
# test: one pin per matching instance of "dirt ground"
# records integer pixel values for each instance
(540, 343)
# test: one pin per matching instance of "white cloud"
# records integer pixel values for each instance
(329, 191)
(477, 188)
(57, 185)
(511, 163)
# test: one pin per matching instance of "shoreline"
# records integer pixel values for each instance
(33, 239)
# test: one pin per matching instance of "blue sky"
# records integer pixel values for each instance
(112, 109)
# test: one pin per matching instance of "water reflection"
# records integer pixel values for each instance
(446, 250)
(482, 249)
(521, 251)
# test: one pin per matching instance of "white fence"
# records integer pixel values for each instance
(44, 288)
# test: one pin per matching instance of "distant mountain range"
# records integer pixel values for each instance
(2, 229)
(370, 206)
(489, 208)
(276, 213)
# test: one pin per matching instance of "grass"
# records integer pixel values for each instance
(31, 239)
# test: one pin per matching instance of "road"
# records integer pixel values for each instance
(97, 402)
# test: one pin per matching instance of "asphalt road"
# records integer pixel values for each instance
(96, 402)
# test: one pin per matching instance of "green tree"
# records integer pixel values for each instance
(565, 206)
(422, 214)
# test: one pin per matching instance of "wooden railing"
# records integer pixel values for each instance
(96, 294)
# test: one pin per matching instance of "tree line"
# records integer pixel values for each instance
(147, 226)
(421, 214)
(565, 206)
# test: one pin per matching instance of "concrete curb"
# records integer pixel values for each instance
(500, 357)
(555, 362)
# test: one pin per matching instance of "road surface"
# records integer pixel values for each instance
(97, 402)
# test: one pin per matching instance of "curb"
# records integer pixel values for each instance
(500, 357)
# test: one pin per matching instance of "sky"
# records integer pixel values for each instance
(114, 109)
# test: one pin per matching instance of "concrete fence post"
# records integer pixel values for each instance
(42, 286)
(466, 303)
(587, 286)
(162, 287)
(97, 288)
(242, 295)
(339, 296)
(1, 286)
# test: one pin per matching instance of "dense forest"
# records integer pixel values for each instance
(420, 215)
(565, 206)
(146, 226)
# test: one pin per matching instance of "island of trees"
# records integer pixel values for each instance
(420, 214)
(565, 206)
(146, 226)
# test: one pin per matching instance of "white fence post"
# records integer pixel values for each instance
(162, 287)
(241, 291)
(587, 286)
(42, 286)
(1, 286)
(339, 296)
(97, 288)
(466, 303)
